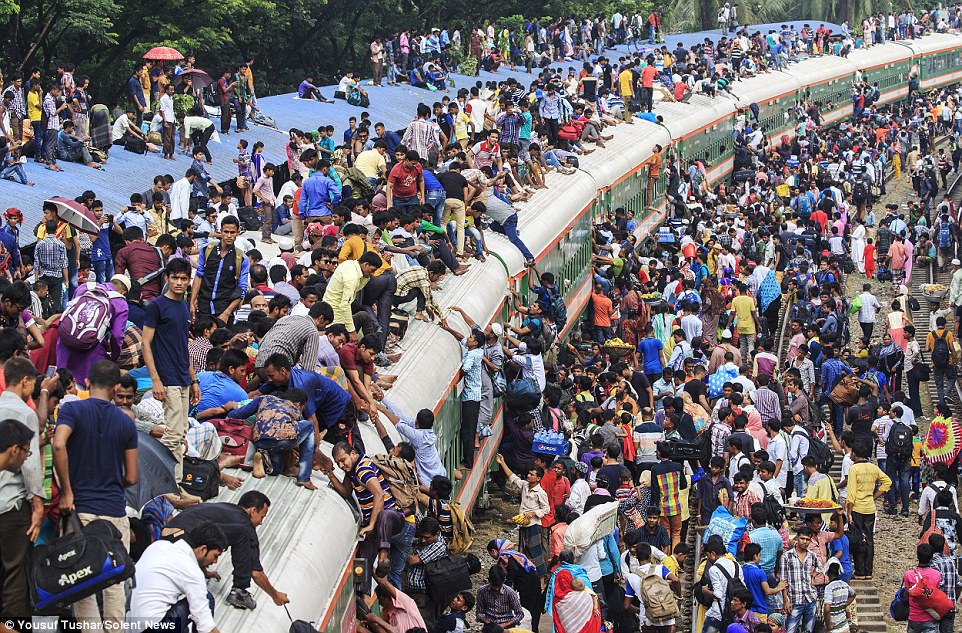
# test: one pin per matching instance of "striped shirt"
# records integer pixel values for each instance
(441, 510)
(421, 136)
(365, 471)
(769, 408)
(294, 336)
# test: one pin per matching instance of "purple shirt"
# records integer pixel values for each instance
(78, 362)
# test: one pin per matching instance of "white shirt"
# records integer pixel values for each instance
(180, 199)
(287, 189)
(591, 559)
(927, 499)
(121, 125)
(167, 108)
(580, 491)
(846, 466)
(719, 584)
(777, 450)
(166, 573)
(300, 309)
(869, 309)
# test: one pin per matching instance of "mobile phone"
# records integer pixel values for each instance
(51, 370)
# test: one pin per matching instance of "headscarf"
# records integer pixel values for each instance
(559, 587)
(506, 552)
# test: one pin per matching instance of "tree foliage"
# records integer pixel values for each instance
(106, 38)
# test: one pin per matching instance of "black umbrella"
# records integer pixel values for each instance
(155, 467)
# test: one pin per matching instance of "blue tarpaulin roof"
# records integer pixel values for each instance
(126, 173)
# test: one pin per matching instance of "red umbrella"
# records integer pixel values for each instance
(76, 215)
(163, 53)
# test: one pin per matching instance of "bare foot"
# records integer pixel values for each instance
(230, 461)
(306, 484)
(258, 469)
(231, 481)
(420, 316)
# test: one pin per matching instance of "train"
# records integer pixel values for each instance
(308, 541)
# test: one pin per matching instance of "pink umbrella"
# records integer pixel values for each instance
(163, 53)
(76, 215)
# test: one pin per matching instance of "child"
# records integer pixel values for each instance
(869, 256)
(596, 463)
(676, 560)
(838, 596)
(454, 620)
(915, 469)
(245, 176)
(839, 548)
(628, 503)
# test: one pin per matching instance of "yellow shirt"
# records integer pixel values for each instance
(34, 106)
(625, 81)
(744, 306)
(862, 478)
(461, 122)
(369, 162)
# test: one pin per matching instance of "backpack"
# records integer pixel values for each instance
(774, 510)
(945, 235)
(357, 98)
(656, 594)
(558, 309)
(237, 252)
(201, 477)
(735, 585)
(85, 321)
(899, 444)
(402, 477)
(463, 530)
(523, 393)
(703, 443)
(940, 350)
(819, 450)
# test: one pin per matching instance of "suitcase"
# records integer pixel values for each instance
(77, 565)
(201, 477)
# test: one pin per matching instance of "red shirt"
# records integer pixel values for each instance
(648, 74)
(350, 360)
(404, 182)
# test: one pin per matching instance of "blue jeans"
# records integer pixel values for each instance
(435, 199)
(802, 618)
(103, 270)
(510, 229)
(15, 172)
(38, 139)
(801, 484)
(401, 203)
(651, 34)
(898, 472)
(711, 625)
(304, 443)
(400, 548)
(469, 231)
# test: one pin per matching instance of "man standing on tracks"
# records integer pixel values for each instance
(868, 312)
(955, 294)
(941, 344)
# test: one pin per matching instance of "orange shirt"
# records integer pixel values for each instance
(602, 307)
(654, 166)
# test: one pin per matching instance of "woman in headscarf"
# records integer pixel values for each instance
(712, 307)
(891, 358)
(696, 411)
(569, 600)
(522, 576)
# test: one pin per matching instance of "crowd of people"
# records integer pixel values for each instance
(170, 326)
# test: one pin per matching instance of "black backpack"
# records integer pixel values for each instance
(735, 585)
(774, 510)
(899, 444)
(819, 450)
(703, 443)
(940, 350)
